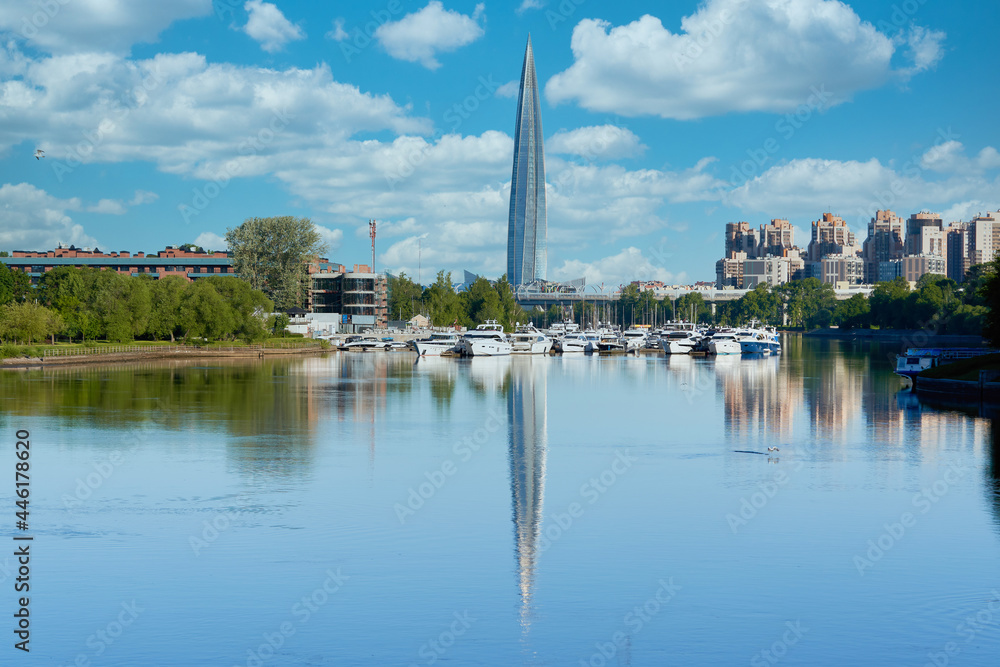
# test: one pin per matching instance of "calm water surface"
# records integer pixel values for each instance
(364, 509)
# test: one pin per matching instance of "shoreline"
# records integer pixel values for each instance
(153, 354)
(900, 335)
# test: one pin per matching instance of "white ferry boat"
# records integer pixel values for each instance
(486, 340)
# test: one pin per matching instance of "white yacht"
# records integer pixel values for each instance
(634, 339)
(362, 344)
(529, 340)
(436, 344)
(572, 342)
(559, 329)
(724, 342)
(486, 340)
(679, 341)
(760, 341)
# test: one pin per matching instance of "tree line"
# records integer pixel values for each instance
(87, 304)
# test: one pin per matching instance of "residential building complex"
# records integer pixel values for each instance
(895, 247)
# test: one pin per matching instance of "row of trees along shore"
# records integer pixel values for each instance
(936, 301)
(270, 254)
(84, 304)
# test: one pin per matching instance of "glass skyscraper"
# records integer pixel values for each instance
(526, 226)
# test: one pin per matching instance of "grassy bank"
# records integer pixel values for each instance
(12, 351)
(964, 369)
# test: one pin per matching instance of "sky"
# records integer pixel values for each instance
(169, 122)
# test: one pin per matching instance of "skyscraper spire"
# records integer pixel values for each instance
(526, 225)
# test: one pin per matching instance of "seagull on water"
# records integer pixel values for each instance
(39, 153)
(773, 449)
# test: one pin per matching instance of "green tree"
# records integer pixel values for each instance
(248, 307)
(442, 303)
(989, 292)
(165, 296)
(66, 290)
(6, 284)
(480, 302)
(404, 297)
(852, 313)
(204, 313)
(803, 299)
(510, 311)
(975, 279)
(888, 301)
(27, 322)
(272, 255)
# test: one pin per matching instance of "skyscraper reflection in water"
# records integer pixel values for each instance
(527, 440)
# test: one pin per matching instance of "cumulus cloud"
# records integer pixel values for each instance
(618, 269)
(596, 142)
(331, 237)
(419, 36)
(856, 189)
(509, 89)
(97, 25)
(733, 55)
(32, 219)
(211, 241)
(268, 26)
(108, 207)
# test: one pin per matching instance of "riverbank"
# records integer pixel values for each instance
(967, 379)
(910, 337)
(63, 356)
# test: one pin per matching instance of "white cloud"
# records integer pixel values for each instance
(211, 241)
(949, 158)
(733, 55)
(596, 142)
(855, 189)
(509, 89)
(59, 26)
(32, 219)
(143, 197)
(268, 26)
(618, 269)
(417, 37)
(530, 4)
(331, 237)
(108, 207)
(338, 33)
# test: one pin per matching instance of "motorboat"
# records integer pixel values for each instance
(610, 342)
(529, 340)
(724, 342)
(363, 344)
(486, 340)
(436, 344)
(634, 339)
(679, 341)
(572, 343)
(760, 341)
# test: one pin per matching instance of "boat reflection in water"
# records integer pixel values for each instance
(528, 440)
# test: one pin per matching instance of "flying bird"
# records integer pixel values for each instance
(39, 153)
(773, 449)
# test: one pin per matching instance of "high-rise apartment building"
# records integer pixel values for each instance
(526, 224)
(776, 238)
(984, 237)
(885, 242)
(831, 236)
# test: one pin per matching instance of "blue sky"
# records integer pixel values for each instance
(164, 123)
